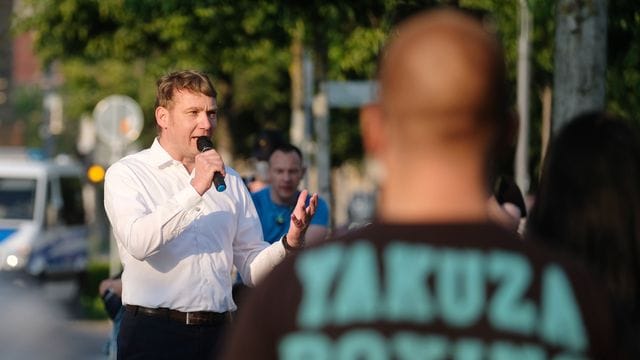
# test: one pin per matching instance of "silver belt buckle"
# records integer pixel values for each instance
(188, 319)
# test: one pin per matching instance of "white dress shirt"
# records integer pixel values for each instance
(177, 247)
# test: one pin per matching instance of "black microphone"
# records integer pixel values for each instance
(204, 144)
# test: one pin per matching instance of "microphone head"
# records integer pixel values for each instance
(204, 143)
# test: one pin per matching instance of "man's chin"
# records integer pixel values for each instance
(287, 195)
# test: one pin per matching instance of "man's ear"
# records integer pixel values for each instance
(372, 129)
(162, 117)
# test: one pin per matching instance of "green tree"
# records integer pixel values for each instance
(27, 108)
(122, 46)
(623, 60)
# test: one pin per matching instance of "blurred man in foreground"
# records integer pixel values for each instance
(433, 276)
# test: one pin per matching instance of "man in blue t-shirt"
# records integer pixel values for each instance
(276, 201)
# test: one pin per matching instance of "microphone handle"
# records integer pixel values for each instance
(204, 144)
(218, 181)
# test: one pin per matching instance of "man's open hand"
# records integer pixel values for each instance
(301, 218)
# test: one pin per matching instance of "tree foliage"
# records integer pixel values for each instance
(623, 57)
(123, 46)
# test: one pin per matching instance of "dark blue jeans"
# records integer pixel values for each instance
(149, 337)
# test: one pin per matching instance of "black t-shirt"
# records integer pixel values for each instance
(426, 291)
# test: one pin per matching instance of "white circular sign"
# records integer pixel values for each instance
(118, 120)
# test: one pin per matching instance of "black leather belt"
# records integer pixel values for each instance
(188, 318)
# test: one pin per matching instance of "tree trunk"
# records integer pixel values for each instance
(580, 59)
(524, 84)
(322, 116)
(296, 130)
(545, 130)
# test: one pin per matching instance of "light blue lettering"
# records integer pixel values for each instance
(405, 345)
(569, 357)
(503, 350)
(460, 287)
(362, 344)
(468, 349)
(316, 270)
(509, 309)
(307, 346)
(407, 294)
(561, 322)
(358, 289)
(408, 346)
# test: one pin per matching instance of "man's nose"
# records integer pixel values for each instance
(205, 122)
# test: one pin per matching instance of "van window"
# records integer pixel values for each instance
(72, 205)
(17, 198)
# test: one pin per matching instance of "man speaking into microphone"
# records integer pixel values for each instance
(179, 232)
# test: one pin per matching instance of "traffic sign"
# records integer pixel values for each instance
(350, 94)
(119, 120)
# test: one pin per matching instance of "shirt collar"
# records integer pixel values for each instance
(159, 156)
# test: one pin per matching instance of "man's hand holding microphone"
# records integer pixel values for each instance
(209, 167)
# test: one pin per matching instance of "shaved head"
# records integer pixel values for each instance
(439, 118)
(442, 77)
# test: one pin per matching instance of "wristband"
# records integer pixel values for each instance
(287, 247)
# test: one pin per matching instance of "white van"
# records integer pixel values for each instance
(43, 230)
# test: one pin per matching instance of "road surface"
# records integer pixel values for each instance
(37, 321)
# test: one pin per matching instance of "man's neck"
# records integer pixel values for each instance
(437, 192)
(188, 163)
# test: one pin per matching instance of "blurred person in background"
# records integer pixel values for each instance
(507, 204)
(110, 291)
(276, 201)
(267, 140)
(433, 276)
(588, 206)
